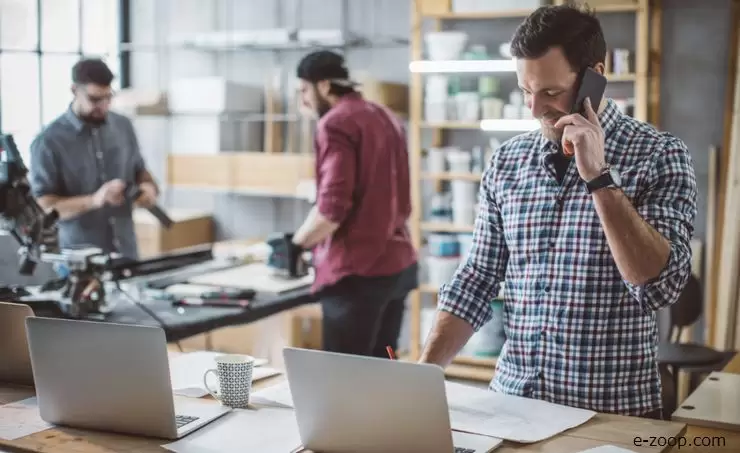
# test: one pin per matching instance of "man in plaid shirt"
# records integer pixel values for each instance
(588, 248)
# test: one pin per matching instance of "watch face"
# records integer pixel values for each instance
(616, 177)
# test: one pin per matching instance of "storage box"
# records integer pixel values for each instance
(393, 95)
(433, 7)
(213, 95)
(190, 228)
(211, 134)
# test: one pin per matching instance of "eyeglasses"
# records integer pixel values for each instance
(98, 99)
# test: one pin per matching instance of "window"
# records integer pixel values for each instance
(40, 41)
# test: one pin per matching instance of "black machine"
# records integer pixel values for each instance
(286, 258)
(82, 291)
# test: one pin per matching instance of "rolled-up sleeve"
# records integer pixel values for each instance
(43, 174)
(669, 205)
(475, 283)
(336, 161)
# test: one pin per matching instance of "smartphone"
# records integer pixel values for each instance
(591, 85)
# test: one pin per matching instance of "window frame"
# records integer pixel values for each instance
(124, 60)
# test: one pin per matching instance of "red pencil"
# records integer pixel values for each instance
(391, 355)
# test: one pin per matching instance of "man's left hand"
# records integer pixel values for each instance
(148, 197)
(584, 137)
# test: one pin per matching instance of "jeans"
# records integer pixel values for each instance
(363, 315)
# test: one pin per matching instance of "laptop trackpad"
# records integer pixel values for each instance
(474, 442)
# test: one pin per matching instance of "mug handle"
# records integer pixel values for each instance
(205, 383)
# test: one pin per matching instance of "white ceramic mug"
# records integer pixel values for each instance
(234, 373)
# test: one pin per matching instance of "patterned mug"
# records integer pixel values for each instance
(234, 373)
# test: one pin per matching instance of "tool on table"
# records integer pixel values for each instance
(133, 192)
(286, 258)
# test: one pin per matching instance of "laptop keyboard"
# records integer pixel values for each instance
(182, 420)
(463, 450)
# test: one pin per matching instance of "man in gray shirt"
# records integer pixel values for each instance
(82, 163)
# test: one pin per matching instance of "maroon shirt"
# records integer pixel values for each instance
(362, 180)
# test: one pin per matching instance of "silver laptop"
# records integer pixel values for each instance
(110, 377)
(349, 403)
(15, 364)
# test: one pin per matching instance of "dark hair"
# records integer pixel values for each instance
(91, 70)
(574, 29)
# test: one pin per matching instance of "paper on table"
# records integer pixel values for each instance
(187, 370)
(266, 429)
(275, 395)
(607, 449)
(21, 419)
(509, 417)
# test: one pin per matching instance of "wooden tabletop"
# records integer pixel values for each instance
(603, 429)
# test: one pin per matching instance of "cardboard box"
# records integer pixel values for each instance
(196, 134)
(393, 95)
(213, 95)
(190, 228)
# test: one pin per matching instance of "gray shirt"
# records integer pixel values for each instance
(70, 158)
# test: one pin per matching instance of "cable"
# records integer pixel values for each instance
(159, 320)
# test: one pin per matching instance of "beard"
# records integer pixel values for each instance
(94, 119)
(552, 133)
(322, 107)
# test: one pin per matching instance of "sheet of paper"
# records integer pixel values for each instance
(187, 370)
(267, 429)
(513, 418)
(607, 449)
(256, 276)
(21, 419)
(274, 395)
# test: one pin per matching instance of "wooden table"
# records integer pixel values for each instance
(603, 429)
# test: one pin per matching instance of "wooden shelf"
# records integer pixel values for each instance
(475, 361)
(633, 8)
(452, 176)
(447, 227)
(621, 77)
(522, 12)
(472, 373)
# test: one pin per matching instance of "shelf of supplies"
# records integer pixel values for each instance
(482, 15)
(468, 372)
(447, 227)
(475, 361)
(452, 176)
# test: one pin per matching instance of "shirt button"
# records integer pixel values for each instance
(99, 154)
(547, 288)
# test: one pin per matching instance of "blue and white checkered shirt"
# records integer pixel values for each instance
(576, 332)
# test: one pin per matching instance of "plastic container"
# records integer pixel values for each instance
(445, 45)
(436, 160)
(435, 111)
(468, 106)
(440, 269)
(441, 208)
(443, 244)
(463, 202)
(459, 160)
(466, 243)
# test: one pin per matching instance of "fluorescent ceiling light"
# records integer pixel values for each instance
(432, 66)
(510, 125)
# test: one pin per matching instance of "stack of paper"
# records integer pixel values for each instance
(187, 370)
(21, 419)
(509, 417)
(275, 395)
(265, 430)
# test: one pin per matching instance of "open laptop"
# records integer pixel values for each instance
(110, 377)
(348, 403)
(15, 364)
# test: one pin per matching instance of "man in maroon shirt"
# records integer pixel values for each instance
(365, 263)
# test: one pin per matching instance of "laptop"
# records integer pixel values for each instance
(350, 403)
(110, 377)
(15, 364)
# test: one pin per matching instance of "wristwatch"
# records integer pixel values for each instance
(609, 177)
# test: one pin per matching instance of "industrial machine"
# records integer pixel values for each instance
(81, 292)
(286, 259)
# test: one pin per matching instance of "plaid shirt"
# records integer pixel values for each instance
(576, 332)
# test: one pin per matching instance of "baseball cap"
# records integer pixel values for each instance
(324, 65)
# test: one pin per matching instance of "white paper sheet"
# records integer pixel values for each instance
(274, 395)
(513, 418)
(21, 419)
(266, 429)
(187, 370)
(607, 449)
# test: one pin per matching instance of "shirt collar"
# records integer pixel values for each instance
(78, 124)
(609, 118)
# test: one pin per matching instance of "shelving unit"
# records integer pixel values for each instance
(428, 15)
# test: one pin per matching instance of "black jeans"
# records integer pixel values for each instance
(363, 315)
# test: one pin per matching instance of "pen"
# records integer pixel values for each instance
(391, 355)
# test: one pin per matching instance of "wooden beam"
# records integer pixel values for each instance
(656, 55)
(724, 160)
